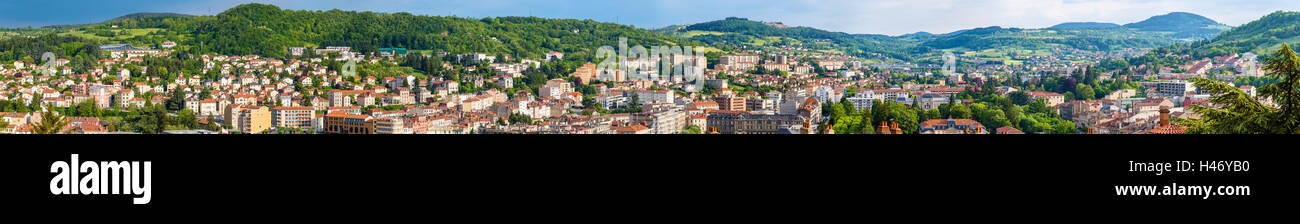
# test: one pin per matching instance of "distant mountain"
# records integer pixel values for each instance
(918, 34)
(1085, 25)
(1158, 31)
(745, 32)
(1182, 24)
(143, 15)
(1260, 36)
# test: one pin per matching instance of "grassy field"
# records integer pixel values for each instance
(130, 33)
(1269, 49)
(694, 33)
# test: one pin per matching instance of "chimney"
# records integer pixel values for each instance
(1164, 117)
(807, 128)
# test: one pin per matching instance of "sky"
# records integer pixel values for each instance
(890, 17)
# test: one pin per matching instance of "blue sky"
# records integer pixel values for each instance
(891, 17)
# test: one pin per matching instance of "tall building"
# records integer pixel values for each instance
(1176, 88)
(663, 118)
(731, 103)
(248, 119)
(585, 73)
(391, 125)
(293, 117)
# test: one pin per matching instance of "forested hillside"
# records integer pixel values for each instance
(270, 31)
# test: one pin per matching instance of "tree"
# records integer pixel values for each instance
(865, 123)
(1085, 92)
(959, 112)
(1012, 112)
(1285, 66)
(1020, 98)
(177, 100)
(151, 119)
(1242, 114)
(905, 117)
(187, 118)
(51, 123)
(213, 125)
(88, 109)
(692, 130)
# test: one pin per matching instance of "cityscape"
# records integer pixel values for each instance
(258, 68)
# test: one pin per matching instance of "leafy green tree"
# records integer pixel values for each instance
(905, 117)
(692, 130)
(187, 118)
(959, 112)
(1085, 92)
(1242, 114)
(177, 100)
(1012, 112)
(51, 123)
(1020, 98)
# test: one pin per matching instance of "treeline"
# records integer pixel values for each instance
(1274, 29)
(267, 30)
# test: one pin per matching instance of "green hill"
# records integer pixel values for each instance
(270, 31)
(744, 32)
(1086, 39)
(1181, 25)
(1261, 36)
(1084, 25)
(132, 16)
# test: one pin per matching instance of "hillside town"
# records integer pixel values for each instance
(776, 90)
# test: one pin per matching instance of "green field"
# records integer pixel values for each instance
(130, 33)
(694, 33)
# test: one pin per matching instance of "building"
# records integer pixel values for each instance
(344, 123)
(745, 123)
(293, 117)
(651, 96)
(1008, 130)
(1165, 127)
(952, 126)
(248, 119)
(585, 74)
(760, 104)
(551, 56)
(811, 110)
(663, 118)
(555, 88)
(731, 59)
(1050, 98)
(393, 51)
(731, 103)
(634, 129)
(390, 126)
(1176, 88)
(863, 99)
